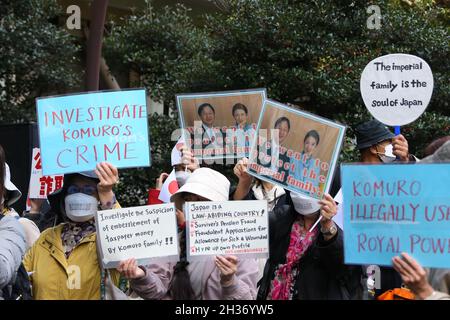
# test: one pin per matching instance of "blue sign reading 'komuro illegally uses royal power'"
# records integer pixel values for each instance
(389, 209)
(78, 131)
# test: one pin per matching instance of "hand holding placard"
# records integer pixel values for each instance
(130, 270)
(109, 177)
(227, 266)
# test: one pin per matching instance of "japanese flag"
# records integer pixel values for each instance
(176, 151)
(169, 187)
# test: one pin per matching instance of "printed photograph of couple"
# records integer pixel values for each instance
(221, 125)
(296, 149)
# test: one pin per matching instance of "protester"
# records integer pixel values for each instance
(306, 160)
(434, 145)
(63, 261)
(307, 263)
(379, 145)
(184, 166)
(246, 189)
(430, 284)
(219, 278)
(415, 277)
(255, 189)
(12, 240)
(10, 194)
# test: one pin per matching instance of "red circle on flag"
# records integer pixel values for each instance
(173, 187)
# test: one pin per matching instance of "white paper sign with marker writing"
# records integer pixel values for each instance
(227, 228)
(397, 88)
(146, 233)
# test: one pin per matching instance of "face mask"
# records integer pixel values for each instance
(303, 205)
(182, 177)
(80, 207)
(388, 156)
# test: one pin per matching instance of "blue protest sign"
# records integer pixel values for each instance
(78, 131)
(389, 209)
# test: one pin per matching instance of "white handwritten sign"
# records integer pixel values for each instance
(397, 88)
(41, 186)
(227, 228)
(146, 233)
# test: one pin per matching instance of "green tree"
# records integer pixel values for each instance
(165, 47)
(36, 57)
(308, 53)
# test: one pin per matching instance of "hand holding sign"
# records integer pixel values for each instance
(160, 181)
(400, 147)
(130, 270)
(227, 266)
(328, 208)
(413, 275)
(188, 159)
(109, 176)
(181, 219)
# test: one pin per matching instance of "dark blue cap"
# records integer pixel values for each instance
(371, 133)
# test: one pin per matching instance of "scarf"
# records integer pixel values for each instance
(74, 232)
(282, 286)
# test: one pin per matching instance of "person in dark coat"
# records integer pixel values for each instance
(307, 264)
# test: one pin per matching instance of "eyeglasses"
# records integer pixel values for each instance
(86, 189)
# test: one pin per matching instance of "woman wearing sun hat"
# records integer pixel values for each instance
(220, 278)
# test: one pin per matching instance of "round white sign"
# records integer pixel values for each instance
(396, 88)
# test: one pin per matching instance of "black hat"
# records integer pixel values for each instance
(56, 199)
(371, 133)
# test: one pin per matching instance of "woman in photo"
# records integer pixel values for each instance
(304, 169)
(244, 131)
(270, 154)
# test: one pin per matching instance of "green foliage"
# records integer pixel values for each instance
(35, 57)
(169, 52)
(309, 53)
(313, 52)
(134, 183)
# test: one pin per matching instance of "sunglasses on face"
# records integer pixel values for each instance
(86, 189)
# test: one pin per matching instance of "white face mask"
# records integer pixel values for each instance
(388, 156)
(182, 177)
(303, 205)
(80, 207)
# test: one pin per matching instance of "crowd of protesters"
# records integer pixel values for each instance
(53, 254)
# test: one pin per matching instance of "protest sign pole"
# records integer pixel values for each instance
(397, 130)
